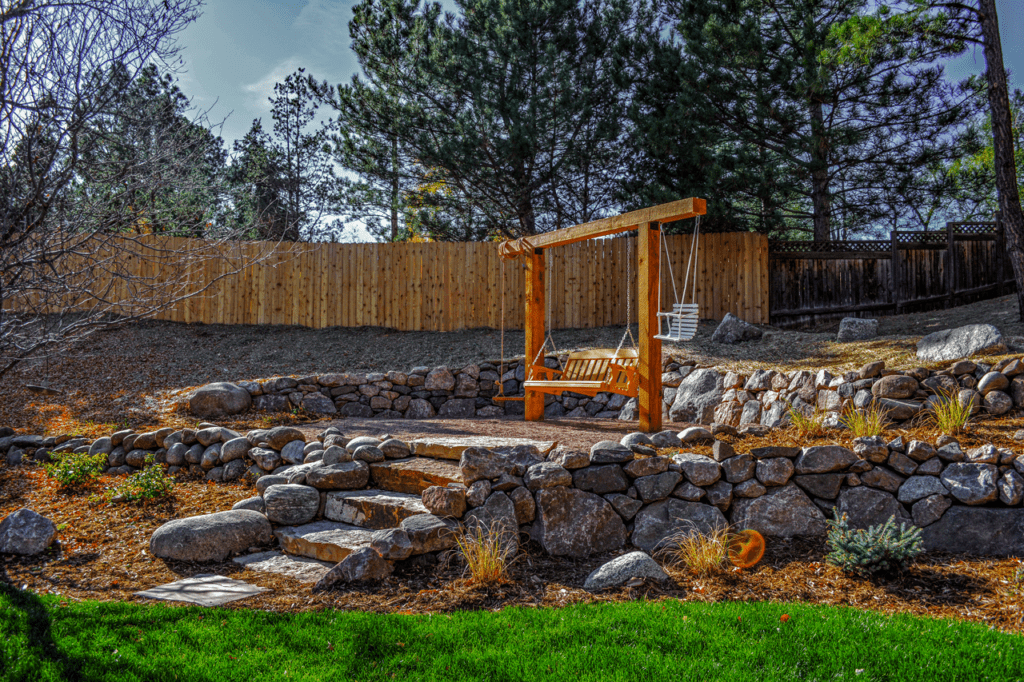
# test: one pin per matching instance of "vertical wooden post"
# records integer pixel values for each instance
(648, 304)
(950, 266)
(534, 329)
(895, 270)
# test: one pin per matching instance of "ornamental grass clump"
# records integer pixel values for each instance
(878, 549)
(75, 470)
(949, 414)
(811, 426)
(151, 483)
(866, 422)
(702, 554)
(487, 553)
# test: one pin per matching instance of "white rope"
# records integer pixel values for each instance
(691, 263)
(629, 299)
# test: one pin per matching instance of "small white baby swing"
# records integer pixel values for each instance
(681, 323)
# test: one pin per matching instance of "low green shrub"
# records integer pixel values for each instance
(74, 471)
(875, 550)
(151, 483)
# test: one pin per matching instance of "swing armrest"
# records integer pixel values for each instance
(542, 373)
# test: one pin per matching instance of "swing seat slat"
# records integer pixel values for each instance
(589, 372)
(681, 322)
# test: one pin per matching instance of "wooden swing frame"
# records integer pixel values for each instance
(642, 379)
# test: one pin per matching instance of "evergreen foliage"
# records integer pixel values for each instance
(875, 550)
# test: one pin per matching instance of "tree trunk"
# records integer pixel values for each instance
(1002, 142)
(394, 188)
(820, 200)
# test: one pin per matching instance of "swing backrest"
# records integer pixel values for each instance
(593, 365)
(682, 321)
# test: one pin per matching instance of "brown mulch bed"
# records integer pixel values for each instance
(103, 554)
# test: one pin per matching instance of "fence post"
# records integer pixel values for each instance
(950, 266)
(895, 270)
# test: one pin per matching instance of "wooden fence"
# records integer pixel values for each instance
(451, 286)
(910, 271)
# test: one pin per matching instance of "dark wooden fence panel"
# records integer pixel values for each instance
(909, 272)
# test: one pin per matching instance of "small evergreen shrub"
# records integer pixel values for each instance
(73, 470)
(875, 550)
(151, 483)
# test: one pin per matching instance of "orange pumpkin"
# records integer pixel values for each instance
(746, 548)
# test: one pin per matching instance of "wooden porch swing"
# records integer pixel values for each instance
(632, 371)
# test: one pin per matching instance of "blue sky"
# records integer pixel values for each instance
(238, 49)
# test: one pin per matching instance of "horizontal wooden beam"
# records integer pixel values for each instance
(663, 213)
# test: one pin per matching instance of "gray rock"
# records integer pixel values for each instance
(439, 379)
(919, 487)
(496, 515)
(420, 409)
(734, 330)
(480, 463)
(666, 439)
(895, 387)
(865, 507)
(458, 408)
(575, 523)
(219, 399)
(997, 403)
(720, 495)
(444, 501)
(342, 476)
(430, 533)
(523, 502)
(929, 510)
(775, 471)
(773, 451)
(661, 524)
(697, 397)
(293, 452)
(688, 491)
(335, 454)
(920, 451)
(26, 532)
(546, 475)
(626, 506)
(318, 403)
(657, 486)
(392, 544)
(871, 448)
(265, 482)
(824, 459)
(902, 464)
(823, 486)
(857, 329)
(698, 469)
(883, 479)
(971, 484)
(236, 448)
(647, 466)
(291, 505)
(977, 531)
(211, 537)
(234, 470)
(781, 512)
(395, 449)
(749, 488)
(951, 452)
(932, 467)
(477, 493)
(610, 452)
(175, 455)
(635, 438)
(695, 434)
(739, 468)
(608, 478)
(252, 503)
(369, 454)
(268, 460)
(962, 342)
(569, 459)
(898, 410)
(985, 454)
(101, 446)
(623, 568)
(362, 565)
(992, 381)
(1011, 488)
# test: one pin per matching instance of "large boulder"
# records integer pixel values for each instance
(26, 532)
(623, 568)
(734, 330)
(978, 531)
(219, 399)
(962, 342)
(866, 507)
(697, 397)
(575, 523)
(782, 512)
(656, 524)
(857, 329)
(211, 537)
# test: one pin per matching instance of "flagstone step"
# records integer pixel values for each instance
(302, 568)
(324, 540)
(452, 448)
(374, 509)
(414, 475)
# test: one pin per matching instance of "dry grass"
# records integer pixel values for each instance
(949, 414)
(701, 554)
(807, 426)
(487, 553)
(869, 422)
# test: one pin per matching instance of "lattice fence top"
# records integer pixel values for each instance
(835, 246)
(920, 236)
(974, 228)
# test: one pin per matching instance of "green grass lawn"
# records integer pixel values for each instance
(42, 640)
